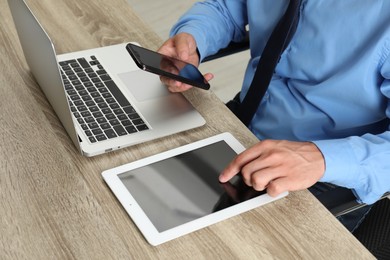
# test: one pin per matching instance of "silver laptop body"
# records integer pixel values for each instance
(146, 109)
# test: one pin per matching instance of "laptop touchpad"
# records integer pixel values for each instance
(143, 85)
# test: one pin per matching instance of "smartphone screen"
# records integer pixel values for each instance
(167, 66)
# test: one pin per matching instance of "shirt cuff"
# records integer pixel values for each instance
(341, 166)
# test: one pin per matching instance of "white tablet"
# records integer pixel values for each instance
(177, 192)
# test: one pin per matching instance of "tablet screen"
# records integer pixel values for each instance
(185, 187)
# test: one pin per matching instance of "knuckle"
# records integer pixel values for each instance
(275, 157)
(258, 184)
(274, 189)
(247, 172)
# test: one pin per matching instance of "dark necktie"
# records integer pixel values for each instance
(278, 41)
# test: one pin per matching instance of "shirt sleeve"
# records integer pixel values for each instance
(214, 24)
(361, 163)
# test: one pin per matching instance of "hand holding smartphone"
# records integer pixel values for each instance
(166, 66)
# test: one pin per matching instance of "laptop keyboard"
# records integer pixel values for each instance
(96, 102)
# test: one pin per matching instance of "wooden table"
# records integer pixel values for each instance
(54, 203)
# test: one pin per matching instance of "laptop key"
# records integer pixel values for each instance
(85, 114)
(90, 103)
(91, 89)
(93, 125)
(76, 82)
(84, 79)
(89, 120)
(142, 127)
(101, 120)
(133, 116)
(129, 110)
(126, 123)
(78, 103)
(105, 77)
(102, 105)
(80, 88)
(75, 65)
(117, 93)
(94, 109)
(92, 75)
(99, 100)
(99, 85)
(75, 97)
(131, 129)
(110, 116)
(114, 122)
(84, 63)
(95, 94)
(82, 108)
(110, 133)
(97, 114)
(103, 90)
(118, 111)
(88, 84)
(106, 111)
(138, 121)
(106, 95)
(110, 100)
(105, 126)
(95, 80)
(83, 92)
(88, 133)
(122, 117)
(86, 98)
(97, 131)
(101, 137)
(92, 139)
(63, 63)
(120, 130)
(114, 105)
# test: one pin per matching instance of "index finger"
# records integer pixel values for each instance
(238, 163)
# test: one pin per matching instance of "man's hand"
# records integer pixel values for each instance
(278, 166)
(183, 47)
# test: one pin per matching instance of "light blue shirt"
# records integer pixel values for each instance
(331, 86)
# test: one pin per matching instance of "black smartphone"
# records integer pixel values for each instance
(163, 65)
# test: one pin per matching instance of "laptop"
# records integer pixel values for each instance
(104, 101)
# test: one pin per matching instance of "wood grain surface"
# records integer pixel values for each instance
(54, 203)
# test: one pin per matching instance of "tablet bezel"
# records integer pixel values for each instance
(151, 234)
